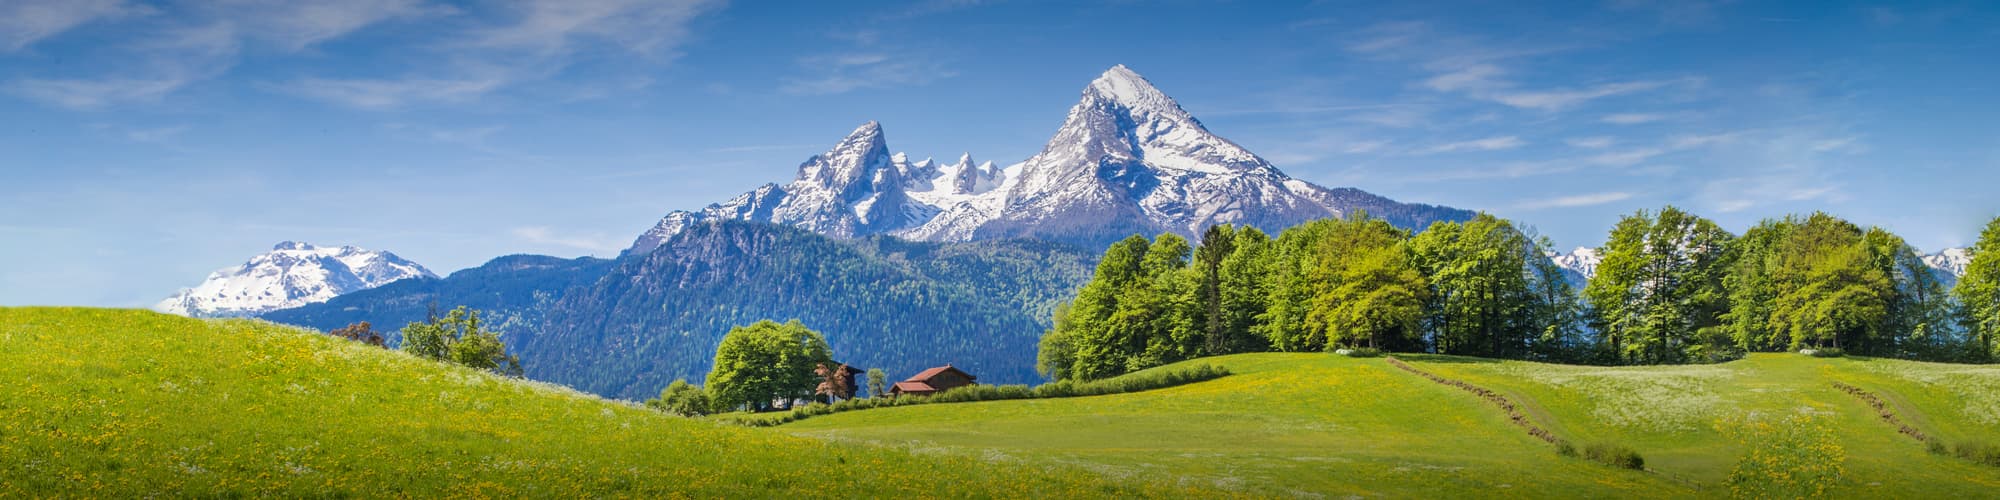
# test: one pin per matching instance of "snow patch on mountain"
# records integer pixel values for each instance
(1127, 159)
(292, 274)
(1579, 264)
(1950, 260)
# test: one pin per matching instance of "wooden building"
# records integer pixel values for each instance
(933, 381)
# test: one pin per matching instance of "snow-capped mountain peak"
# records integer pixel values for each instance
(1950, 260)
(1580, 264)
(1127, 159)
(292, 274)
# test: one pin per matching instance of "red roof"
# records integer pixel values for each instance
(928, 374)
(914, 387)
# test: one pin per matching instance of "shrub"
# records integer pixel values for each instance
(1978, 451)
(1824, 352)
(1936, 447)
(1564, 448)
(1614, 455)
(1363, 352)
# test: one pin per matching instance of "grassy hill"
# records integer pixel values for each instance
(131, 403)
(1325, 424)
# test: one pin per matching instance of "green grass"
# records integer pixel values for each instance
(129, 403)
(1283, 424)
(1327, 424)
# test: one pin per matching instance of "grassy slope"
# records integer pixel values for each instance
(1676, 416)
(1284, 423)
(101, 402)
(1328, 424)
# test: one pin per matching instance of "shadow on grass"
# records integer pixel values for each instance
(1440, 358)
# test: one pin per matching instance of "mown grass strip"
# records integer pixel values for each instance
(1882, 410)
(1513, 412)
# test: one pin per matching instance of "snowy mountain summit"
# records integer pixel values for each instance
(1950, 260)
(290, 275)
(1580, 264)
(1127, 159)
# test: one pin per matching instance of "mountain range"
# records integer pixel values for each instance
(1580, 265)
(903, 264)
(1127, 159)
(292, 274)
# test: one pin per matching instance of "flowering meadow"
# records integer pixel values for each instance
(123, 403)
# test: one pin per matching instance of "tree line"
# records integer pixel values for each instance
(1673, 287)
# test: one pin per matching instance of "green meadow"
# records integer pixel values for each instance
(1323, 424)
(130, 403)
(100, 402)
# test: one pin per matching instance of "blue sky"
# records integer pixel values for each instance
(147, 143)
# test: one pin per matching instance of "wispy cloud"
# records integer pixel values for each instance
(1573, 201)
(1560, 99)
(841, 73)
(1487, 144)
(168, 61)
(24, 22)
(552, 27)
(392, 93)
(1632, 118)
(295, 25)
(1594, 142)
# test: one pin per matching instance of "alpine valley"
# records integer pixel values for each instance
(903, 264)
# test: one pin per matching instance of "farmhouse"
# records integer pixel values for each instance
(837, 381)
(933, 381)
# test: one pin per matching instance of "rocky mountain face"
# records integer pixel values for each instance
(290, 275)
(882, 302)
(1579, 265)
(1127, 159)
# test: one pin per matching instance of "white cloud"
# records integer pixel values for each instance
(1477, 76)
(1582, 200)
(93, 94)
(1488, 144)
(840, 73)
(382, 94)
(294, 25)
(1625, 158)
(24, 22)
(1557, 100)
(651, 27)
(1632, 118)
(1596, 142)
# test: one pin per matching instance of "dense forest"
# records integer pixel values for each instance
(514, 292)
(881, 302)
(1672, 288)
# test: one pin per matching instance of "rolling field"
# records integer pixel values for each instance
(136, 404)
(1323, 424)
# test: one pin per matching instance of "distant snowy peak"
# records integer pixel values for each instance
(292, 274)
(1580, 263)
(1951, 261)
(1127, 159)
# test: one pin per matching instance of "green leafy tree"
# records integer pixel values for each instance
(1658, 295)
(1556, 310)
(1483, 296)
(878, 383)
(459, 337)
(1979, 292)
(682, 398)
(1752, 291)
(1381, 295)
(765, 362)
(1244, 294)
